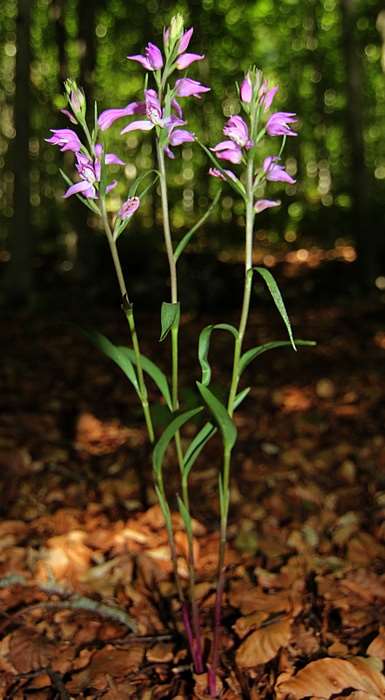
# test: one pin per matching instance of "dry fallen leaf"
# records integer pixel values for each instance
(377, 646)
(251, 599)
(327, 677)
(263, 644)
(244, 625)
(30, 651)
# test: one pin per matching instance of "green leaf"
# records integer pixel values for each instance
(240, 397)
(223, 497)
(170, 314)
(186, 517)
(153, 371)
(164, 508)
(204, 345)
(146, 189)
(88, 203)
(251, 354)
(134, 187)
(115, 354)
(277, 297)
(164, 441)
(220, 413)
(235, 184)
(196, 446)
(187, 237)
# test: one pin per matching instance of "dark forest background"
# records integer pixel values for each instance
(328, 56)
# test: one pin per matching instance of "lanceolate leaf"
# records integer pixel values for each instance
(224, 497)
(88, 202)
(235, 184)
(164, 441)
(134, 187)
(251, 354)
(155, 373)
(164, 508)
(187, 237)
(204, 345)
(186, 517)
(116, 354)
(277, 297)
(219, 411)
(196, 446)
(239, 397)
(169, 316)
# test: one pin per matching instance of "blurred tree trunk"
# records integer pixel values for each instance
(18, 280)
(58, 9)
(87, 14)
(380, 24)
(86, 262)
(359, 176)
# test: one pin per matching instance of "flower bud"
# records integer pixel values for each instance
(246, 90)
(129, 208)
(176, 28)
(76, 98)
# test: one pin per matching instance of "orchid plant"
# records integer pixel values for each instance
(160, 111)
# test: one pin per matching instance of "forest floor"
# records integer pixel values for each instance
(83, 549)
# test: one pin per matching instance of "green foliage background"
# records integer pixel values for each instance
(298, 43)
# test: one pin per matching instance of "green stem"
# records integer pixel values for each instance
(166, 223)
(174, 297)
(196, 651)
(250, 214)
(128, 311)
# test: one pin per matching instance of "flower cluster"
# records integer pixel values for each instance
(243, 134)
(90, 159)
(88, 168)
(89, 171)
(160, 107)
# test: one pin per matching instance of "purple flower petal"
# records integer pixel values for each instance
(128, 208)
(262, 204)
(141, 59)
(236, 129)
(169, 152)
(112, 159)
(142, 125)
(185, 40)
(81, 186)
(153, 107)
(69, 115)
(228, 150)
(267, 99)
(111, 186)
(275, 172)
(109, 116)
(66, 138)
(223, 174)
(185, 87)
(178, 109)
(179, 136)
(154, 56)
(186, 59)
(246, 90)
(152, 60)
(278, 123)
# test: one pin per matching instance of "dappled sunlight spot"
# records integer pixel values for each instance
(97, 437)
(293, 398)
(380, 283)
(379, 340)
(66, 558)
(269, 260)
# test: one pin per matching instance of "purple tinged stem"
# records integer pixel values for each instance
(188, 630)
